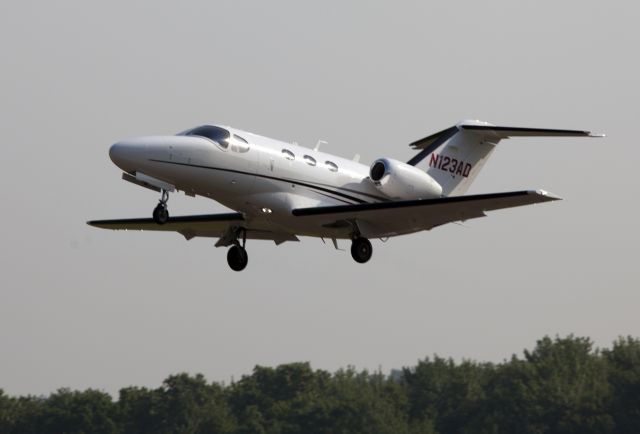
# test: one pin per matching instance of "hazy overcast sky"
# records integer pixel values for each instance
(83, 307)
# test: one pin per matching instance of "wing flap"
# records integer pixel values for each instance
(207, 225)
(196, 223)
(394, 218)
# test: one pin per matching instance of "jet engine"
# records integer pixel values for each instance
(398, 180)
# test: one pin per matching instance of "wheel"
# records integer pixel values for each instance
(361, 250)
(237, 258)
(160, 214)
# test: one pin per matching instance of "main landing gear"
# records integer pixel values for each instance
(361, 249)
(237, 256)
(160, 212)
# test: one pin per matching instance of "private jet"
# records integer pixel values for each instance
(281, 191)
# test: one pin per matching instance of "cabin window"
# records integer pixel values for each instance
(309, 160)
(237, 137)
(239, 144)
(288, 154)
(331, 166)
(218, 135)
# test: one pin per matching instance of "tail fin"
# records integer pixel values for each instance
(455, 156)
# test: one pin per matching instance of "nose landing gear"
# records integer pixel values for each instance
(237, 256)
(160, 212)
(361, 250)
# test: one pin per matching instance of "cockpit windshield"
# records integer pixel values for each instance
(216, 134)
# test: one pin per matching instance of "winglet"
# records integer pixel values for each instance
(545, 194)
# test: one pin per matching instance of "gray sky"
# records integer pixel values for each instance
(82, 307)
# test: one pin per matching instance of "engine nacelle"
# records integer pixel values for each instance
(398, 180)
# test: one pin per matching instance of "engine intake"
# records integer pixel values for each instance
(398, 180)
(378, 170)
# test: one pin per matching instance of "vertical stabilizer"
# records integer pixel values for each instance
(455, 156)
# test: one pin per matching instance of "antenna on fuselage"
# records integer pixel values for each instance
(356, 158)
(320, 142)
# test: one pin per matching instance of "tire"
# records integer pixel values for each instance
(160, 214)
(237, 258)
(361, 250)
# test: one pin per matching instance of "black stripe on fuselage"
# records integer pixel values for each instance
(291, 181)
(372, 196)
(333, 197)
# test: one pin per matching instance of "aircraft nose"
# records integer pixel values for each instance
(126, 154)
(116, 151)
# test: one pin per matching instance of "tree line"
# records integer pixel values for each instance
(562, 385)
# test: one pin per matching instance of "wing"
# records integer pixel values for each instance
(223, 226)
(383, 219)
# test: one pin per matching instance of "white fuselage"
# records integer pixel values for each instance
(265, 179)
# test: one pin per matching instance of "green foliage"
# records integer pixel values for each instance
(295, 399)
(563, 385)
(183, 404)
(559, 387)
(624, 378)
(21, 415)
(446, 395)
(65, 411)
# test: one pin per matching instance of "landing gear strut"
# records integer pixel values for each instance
(160, 212)
(361, 250)
(237, 256)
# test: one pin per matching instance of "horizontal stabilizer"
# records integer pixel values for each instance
(505, 132)
(500, 132)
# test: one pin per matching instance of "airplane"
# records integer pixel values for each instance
(280, 191)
